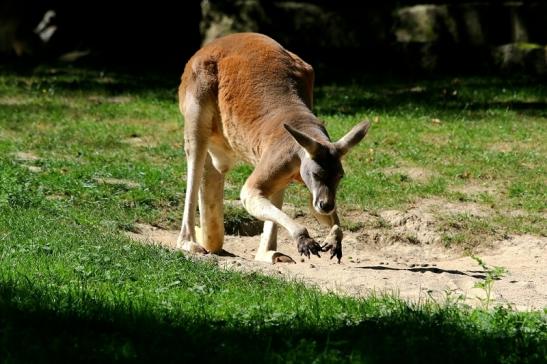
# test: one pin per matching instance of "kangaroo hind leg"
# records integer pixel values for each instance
(211, 208)
(198, 120)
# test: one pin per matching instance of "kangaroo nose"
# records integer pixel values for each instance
(325, 206)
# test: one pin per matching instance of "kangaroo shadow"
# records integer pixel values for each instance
(436, 270)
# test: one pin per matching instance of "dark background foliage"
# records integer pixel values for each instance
(402, 36)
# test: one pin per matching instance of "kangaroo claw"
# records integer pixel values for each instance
(308, 246)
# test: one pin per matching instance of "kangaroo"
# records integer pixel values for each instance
(244, 97)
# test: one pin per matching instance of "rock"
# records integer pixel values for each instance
(523, 57)
(223, 17)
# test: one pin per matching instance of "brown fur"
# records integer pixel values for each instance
(256, 84)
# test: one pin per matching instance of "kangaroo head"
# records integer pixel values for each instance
(321, 167)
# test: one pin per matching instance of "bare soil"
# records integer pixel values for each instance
(398, 252)
(476, 188)
(116, 181)
(26, 157)
(417, 174)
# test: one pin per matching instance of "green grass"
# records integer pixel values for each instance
(73, 288)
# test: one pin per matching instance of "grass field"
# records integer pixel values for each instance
(86, 154)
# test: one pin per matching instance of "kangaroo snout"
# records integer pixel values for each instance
(324, 206)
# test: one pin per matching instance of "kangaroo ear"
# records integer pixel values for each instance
(308, 143)
(354, 136)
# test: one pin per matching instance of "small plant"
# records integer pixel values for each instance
(453, 240)
(492, 274)
(453, 298)
(383, 223)
(353, 226)
(412, 238)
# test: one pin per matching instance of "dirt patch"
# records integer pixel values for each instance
(153, 235)
(417, 174)
(413, 226)
(5, 135)
(26, 157)
(139, 142)
(476, 189)
(440, 206)
(33, 169)
(13, 100)
(395, 252)
(516, 146)
(117, 182)
(436, 139)
(110, 99)
(166, 127)
(26, 160)
(503, 147)
(55, 197)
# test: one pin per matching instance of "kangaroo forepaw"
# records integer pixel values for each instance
(308, 246)
(335, 250)
(333, 242)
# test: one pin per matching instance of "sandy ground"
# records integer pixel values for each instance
(403, 257)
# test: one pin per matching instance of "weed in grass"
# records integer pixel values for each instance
(454, 240)
(467, 231)
(352, 226)
(412, 238)
(382, 223)
(453, 298)
(492, 274)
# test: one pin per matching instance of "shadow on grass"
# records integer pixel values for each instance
(89, 330)
(26, 112)
(65, 79)
(434, 96)
(335, 92)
